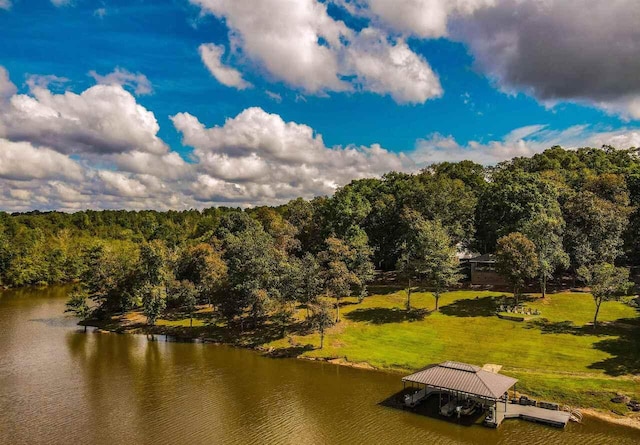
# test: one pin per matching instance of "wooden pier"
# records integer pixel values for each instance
(530, 413)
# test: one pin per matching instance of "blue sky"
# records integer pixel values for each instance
(486, 109)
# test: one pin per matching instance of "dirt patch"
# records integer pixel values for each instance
(492, 368)
(343, 362)
(631, 421)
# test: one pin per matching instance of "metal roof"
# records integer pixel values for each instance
(485, 258)
(462, 377)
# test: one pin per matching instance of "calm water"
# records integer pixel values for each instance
(59, 385)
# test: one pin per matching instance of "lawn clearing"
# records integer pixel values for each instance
(557, 355)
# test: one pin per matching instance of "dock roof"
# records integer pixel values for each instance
(462, 377)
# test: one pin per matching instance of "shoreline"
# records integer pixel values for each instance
(169, 331)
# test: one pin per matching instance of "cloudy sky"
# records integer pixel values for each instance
(193, 103)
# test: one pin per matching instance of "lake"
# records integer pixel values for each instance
(59, 385)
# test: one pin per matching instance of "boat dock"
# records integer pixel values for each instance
(464, 389)
(530, 413)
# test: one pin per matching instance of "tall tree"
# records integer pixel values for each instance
(441, 266)
(511, 198)
(429, 256)
(607, 283)
(311, 281)
(282, 231)
(290, 288)
(338, 279)
(359, 261)
(205, 268)
(545, 230)
(77, 304)
(110, 276)
(349, 206)
(594, 229)
(155, 275)
(154, 301)
(516, 260)
(186, 294)
(253, 275)
(321, 319)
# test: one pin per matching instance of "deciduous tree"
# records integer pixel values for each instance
(321, 319)
(311, 281)
(516, 260)
(545, 229)
(429, 256)
(77, 304)
(607, 283)
(337, 278)
(154, 301)
(594, 229)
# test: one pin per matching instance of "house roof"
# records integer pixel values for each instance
(462, 377)
(485, 258)
(465, 254)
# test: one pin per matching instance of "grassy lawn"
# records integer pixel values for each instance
(556, 356)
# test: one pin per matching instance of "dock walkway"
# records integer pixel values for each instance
(532, 414)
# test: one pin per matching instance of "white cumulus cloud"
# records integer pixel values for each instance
(138, 82)
(523, 141)
(22, 161)
(102, 119)
(263, 158)
(212, 58)
(100, 149)
(299, 43)
(7, 88)
(392, 69)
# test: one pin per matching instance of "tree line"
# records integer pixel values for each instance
(560, 212)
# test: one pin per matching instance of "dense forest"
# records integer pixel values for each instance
(559, 213)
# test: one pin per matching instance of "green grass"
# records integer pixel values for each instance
(556, 356)
(181, 323)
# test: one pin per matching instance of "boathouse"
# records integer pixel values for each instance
(463, 389)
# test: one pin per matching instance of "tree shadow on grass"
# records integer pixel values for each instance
(478, 307)
(622, 342)
(625, 354)
(178, 315)
(262, 333)
(386, 315)
(384, 289)
(344, 303)
(245, 333)
(554, 327)
(617, 328)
